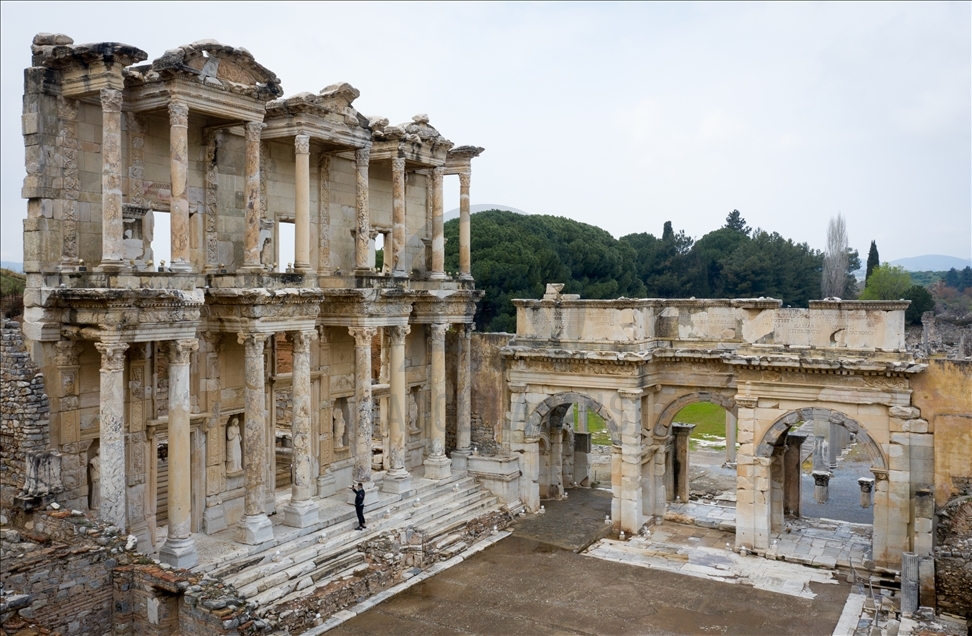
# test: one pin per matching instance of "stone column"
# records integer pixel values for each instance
(819, 464)
(582, 417)
(437, 465)
(909, 583)
(362, 236)
(324, 215)
(465, 270)
(867, 487)
(881, 552)
(302, 205)
(631, 453)
(179, 175)
(363, 422)
(397, 480)
(463, 398)
(399, 223)
(179, 550)
(251, 192)
(730, 437)
(113, 508)
(301, 511)
(791, 474)
(255, 527)
(833, 444)
(682, 433)
(438, 236)
(112, 240)
(821, 489)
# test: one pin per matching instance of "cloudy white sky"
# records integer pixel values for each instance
(619, 115)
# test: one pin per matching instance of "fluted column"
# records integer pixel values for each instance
(363, 422)
(251, 192)
(362, 235)
(465, 270)
(437, 465)
(398, 480)
(255, 527)
(302, 207)
(463, 395)
(438, 235)
(399, 225)
(179, 174)
(301, 511)
(112, 240)
(112, 434)
(179, 549)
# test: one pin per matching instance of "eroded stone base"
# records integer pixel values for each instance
(255, 529)
(438, 468)
(181, 553)
(301, 514)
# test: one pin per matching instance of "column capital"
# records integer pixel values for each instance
(253, 129)
(439, 329)
(630, 394)
(252, 339)
(178, 113)
(66, 353)
(398, 332)
(398, 165)
(466, 330)
(302, 144)
(437, 172)
(111, 100)
(179, 350)
(464, 180)
(362, 335)
(302, 339)
(112, 355)
(517, 388)
(362, 155)
(214, 339)
(747, 401)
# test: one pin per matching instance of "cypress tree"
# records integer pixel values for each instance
(873, 260)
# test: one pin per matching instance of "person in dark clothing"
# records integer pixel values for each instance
(359, 497)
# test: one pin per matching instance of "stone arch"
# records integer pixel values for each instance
(560, 401)
(665, 419)
(783, 424)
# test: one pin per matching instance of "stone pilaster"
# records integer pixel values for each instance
(682, 434)
(438, 235)
(112, 439)
(251, 192)
(326, 481)
(730, 438)
(631, 494)
(437, 465)
(301, 511)
(179, 549)
(399, 227)
(362, 211)
(112, 225)
(68, 147)
(302, 207)
(179, 174)
(398, 480)
(463, 398)
(791, 474)
(324, 215)
(363, 424)
(465, 270)
(213, 141)
(255, 527)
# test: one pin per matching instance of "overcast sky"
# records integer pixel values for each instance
(619, 115)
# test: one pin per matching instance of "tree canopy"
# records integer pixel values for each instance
(887, 282)
(873, 260)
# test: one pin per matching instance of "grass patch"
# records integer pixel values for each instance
(710, 425)
(596, 427)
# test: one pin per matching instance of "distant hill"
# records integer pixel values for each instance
(12, 266)
(454, 213)
(932, 263)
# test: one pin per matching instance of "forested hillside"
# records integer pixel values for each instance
(515, 256)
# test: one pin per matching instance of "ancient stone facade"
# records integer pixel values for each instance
(176, 377)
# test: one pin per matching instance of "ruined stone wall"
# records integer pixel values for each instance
(943, 393)
(490, 398)
(953, 558)
(24, 411)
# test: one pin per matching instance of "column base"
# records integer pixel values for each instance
(438, 467)
(460, 459)
(255, 529)
(326, 485)
(397, 483)
(301, 514)
(179, 553)
(371, 495)
(399, 273)
(465, 277)
(302, 268)
(180, 266)
(252, 269)
(110, 267)
(438, 276)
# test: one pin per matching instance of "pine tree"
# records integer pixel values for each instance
(873, 260)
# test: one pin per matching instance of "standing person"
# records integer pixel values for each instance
(359, 497)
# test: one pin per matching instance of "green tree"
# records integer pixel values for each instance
(887, 282)
(921, 301)
(734, 221)
(873, 260)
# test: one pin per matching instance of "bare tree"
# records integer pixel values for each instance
(835, 259)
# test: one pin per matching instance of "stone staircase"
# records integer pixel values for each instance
(281, 572)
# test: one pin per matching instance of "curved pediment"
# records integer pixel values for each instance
(210, 60)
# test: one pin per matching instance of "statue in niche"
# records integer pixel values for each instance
(412, 414)
(234, 451)
(94, 481)
(339, 426)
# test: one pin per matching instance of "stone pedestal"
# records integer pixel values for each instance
(179, 175)
(821, 488)
(362, 234)
(251, 193)
(438, 234)
(398, 479)
(437, 465)
(179, 550)
(326, 485)
(867, 487)
(301, 511)
(112, 507)
(255, 527)
(112, 224)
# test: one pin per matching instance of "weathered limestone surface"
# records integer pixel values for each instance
(113, 507)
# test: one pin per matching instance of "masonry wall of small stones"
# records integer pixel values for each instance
(953, 559)
(24, 411)
(489, 398)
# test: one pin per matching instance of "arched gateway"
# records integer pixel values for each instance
(638, 362)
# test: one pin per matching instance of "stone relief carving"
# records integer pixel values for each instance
(234, 450)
